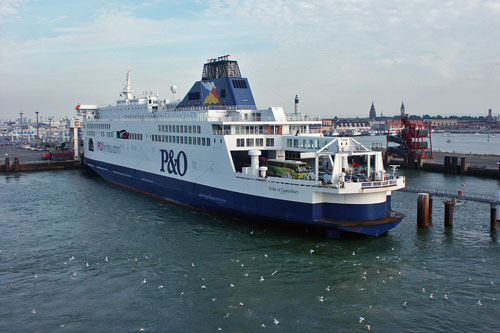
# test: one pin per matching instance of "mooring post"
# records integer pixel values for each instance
(463, 168)
(454, 165)
(498, 203)
(449, 206)
(7, 164)
(493, 216)
(423, 210)
(430, 206)
(447, 164)
(16, 164)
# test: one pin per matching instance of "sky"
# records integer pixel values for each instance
(439, 57)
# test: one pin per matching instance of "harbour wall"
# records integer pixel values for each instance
(459, 164)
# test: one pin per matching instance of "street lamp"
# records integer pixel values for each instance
(37, 135)
(50, 131)
(21, 113)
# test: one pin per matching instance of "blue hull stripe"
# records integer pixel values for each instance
(240, 205)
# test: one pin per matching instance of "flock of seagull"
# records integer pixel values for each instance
(275, 321)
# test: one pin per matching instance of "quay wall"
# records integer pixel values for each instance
(472, 165)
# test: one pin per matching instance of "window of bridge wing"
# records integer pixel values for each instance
(217, 129)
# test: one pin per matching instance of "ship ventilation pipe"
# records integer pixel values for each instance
(254, 156)
(263, 171)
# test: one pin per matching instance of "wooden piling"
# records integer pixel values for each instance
(454, 165)
(447, 164)
(449, 206)
(423, 210)
(16, 164)
(463, 168)
(430, 206)
(493, 216)
(7, 164)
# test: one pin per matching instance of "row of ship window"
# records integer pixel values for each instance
(247, 129)
(300, 143)
(183, 140)
(179, 129)
(119, 134)
(99, 126)
(250, 142)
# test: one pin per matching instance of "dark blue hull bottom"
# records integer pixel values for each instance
(251, 207)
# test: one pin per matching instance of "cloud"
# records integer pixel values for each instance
(9, 9)
(324, 49)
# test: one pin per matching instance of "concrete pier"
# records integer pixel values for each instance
(14, 159)
(464, 164)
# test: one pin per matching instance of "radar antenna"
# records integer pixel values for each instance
(173, 89)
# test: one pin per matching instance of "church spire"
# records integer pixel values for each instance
(402, 109)
(373, 113)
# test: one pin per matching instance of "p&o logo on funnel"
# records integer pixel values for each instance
(209, 93)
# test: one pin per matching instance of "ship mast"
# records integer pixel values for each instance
(127, 90)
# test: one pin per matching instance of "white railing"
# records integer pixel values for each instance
(479, 197)
(379, 183)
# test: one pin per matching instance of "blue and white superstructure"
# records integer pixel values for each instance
(214, 150)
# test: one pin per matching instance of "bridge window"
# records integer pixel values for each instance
(259, 142)
(270, 142)
(240, 142)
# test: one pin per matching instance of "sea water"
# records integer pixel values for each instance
(81, 254)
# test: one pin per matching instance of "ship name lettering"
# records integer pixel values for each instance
(282, 190)
(176, 165)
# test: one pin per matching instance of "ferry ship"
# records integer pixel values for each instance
(217, 151)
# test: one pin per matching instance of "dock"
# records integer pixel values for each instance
(453, 163)
(13, 159)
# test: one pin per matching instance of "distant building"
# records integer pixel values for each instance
(373, 113)
(444, 123)
(352, 127)
(395, 124)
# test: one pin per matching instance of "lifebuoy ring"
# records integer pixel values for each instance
(341, 148)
